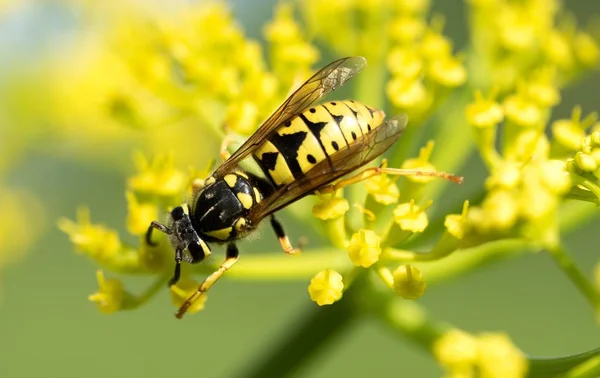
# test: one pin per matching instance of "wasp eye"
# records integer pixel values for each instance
(177, 213)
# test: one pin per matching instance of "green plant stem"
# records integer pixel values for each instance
(581, 365)
(567, 265)
(315, 328)
(160, 283)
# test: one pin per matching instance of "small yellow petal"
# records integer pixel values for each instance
(330, 207)
(184, 289)
(411, 217)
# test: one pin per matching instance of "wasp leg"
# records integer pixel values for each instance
(225, 154)
(374, 171)
(197, 254)
(283, 238)
(158, 226)
(231, 258)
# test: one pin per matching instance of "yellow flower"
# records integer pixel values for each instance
(407, 29)
(421, 163)
(330, 207)
(448, 72)
(456, 350)
(383, 189)
(522, 111)
(364, 249)
(411, 217)
(184, 289)
(110, 296)
(456, 224)
(157, 177)
(499, 358)
(139, 215)
(586, 49)
(407, 94)
(409, 282)
(326, 287)
(405, 63)
(484, 112)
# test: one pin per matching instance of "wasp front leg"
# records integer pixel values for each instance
(284, 240)
(232, 257)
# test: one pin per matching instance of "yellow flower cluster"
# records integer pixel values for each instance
(487, 355)
(512, 39)
(383, 226)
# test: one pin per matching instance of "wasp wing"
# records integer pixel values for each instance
(328, 79)
(339, 164)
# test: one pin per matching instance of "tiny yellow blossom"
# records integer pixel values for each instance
(184, 289)
(157, 176)
(448, 72)
(243, 117)
(456, 350)
(330, 207)
(558, 49)
(499, 358)
(586, 49)
(110, 296)
(411, 217)
(506, 175)
(383, 189)
(95, 241)
(407, 94)
(283, 28)
(435, 45)
(570, 132)
(407, 29)
(456, 224)
(416, 7)
(484, 112)
(585, 162)
(139, 215)
(554, 176)
(409, 282)
(421, 163)
(326, 287)
(405, 63)
(501, 210)
(522, 111)
(364, 249)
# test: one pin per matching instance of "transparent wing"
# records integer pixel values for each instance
(344, 161)
(319, 85)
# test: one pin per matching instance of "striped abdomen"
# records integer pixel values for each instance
(313, 136)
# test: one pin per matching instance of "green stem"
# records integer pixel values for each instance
(581, 365)
(279, 266)
(564, 261)
(317, 327)
(160, 283)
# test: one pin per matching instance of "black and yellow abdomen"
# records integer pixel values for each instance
(313, 136)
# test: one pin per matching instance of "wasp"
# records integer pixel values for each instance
(301, 149)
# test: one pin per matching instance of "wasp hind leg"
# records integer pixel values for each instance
(382, 169)
(284, 240)
(232, 257)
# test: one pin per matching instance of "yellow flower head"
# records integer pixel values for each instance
(409, 282)
(364, 249)
(139, 215)
(456, 350)
(184, 289)
(421, 163)
(326, 287)
(110, 296)
(499, 358)
(157, 177)
(448, 71)
(95, 241)
(330, 207)
(522, 111)
(484, 112)
(411, 217)
(383, 189)
(456, 224)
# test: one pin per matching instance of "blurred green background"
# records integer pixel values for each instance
(49, 329)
